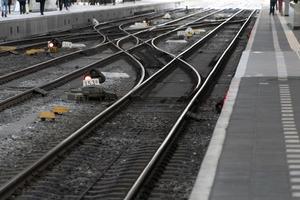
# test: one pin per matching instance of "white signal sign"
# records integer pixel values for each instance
(180, 33)
(91, 82)
(67, 44)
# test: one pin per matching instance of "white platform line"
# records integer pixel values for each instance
(295, 187)
(287, 115)
(289, 129)
(286, 110)
(295, 180)
(291, 136)
(293, 161)
(283, 107)
(293, 150)
(241, 69)
(290, 132)
(288, 119)
(280, 61)
(206, 175)
(292, 146)
(294, 166)
(295, 173)
(291, 142)
(286, 101)
(291, 38)
(293, 156)
(295, 194)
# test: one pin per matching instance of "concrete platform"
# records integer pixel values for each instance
(17, 26)
(255, 150)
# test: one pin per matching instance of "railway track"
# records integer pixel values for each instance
(74, 33)
(11, 67)
(155, 167)
(17, 59)
(157, 66)
(135, 38)
(151, 111)
(42, 73)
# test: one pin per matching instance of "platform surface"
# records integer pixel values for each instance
(255, 150)
(80, 7)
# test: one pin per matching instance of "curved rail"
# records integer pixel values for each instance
(178, 57)
(160, 25)
(10, 186)
(20, 97)
(129, 34)
(143, 71)
(58, 34)
(38, 38)
(170, 22)
(45, 64)
(195, 44)
(179, 121)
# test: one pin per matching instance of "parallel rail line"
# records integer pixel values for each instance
(10, 187)
(29, 93)
(171, 137)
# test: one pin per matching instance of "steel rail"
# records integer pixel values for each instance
(38, 38)
(13, 75)
(160, 25)
(43, 65)
(98, 31)
(7, 77)
(8, 188)
(35, 45)
(53, 36)
(143, 71)
(13, 183)
(181, 60)
(207, 36)
(66, 36)
(15, 99)
(129, 34)
(61, 36)
(29, 93)
(185, 25)
(136, 186)
(204, 24)
(199, 25)
(48, 86)
(178, 57)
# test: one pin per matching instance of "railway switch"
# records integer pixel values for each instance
(95, 22)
